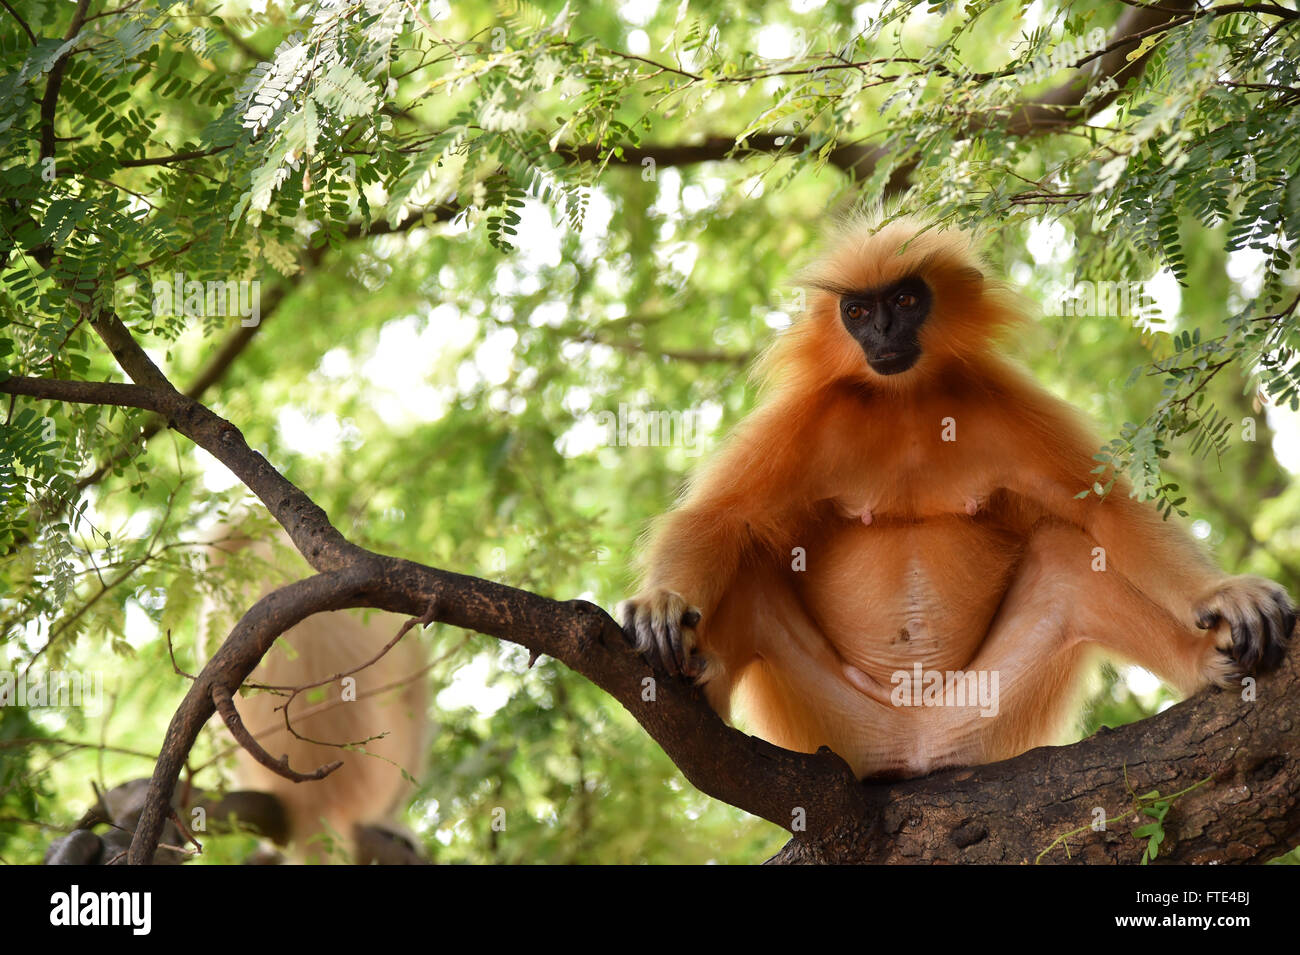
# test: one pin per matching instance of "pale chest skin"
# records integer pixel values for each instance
(897, 593)
(912, 549)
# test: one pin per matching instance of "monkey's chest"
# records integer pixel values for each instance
(889, 596)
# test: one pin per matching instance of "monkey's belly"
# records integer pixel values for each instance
(890, 596)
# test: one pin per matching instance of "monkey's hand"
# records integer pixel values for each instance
(661, 625)
(1255, 620)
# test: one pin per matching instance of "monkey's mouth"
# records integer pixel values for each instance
(893, 362)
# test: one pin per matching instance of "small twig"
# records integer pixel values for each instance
(226, 707)
(328, 705)
(21, 22)
(424, 620)
(173, 158)
(171, 652)
(185, 831)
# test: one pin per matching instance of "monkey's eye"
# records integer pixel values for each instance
(855, 310)
(905, 300)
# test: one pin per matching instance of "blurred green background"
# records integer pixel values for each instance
(436, 387)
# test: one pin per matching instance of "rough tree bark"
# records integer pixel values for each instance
(1247, 810)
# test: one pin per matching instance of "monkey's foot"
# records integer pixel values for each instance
(865, 684)
(1255, 620)
(661, 625)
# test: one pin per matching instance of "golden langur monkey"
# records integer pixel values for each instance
(903, 503)
(350, 813)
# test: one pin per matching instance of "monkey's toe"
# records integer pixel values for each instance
(1256, 619)
(660, 625)
(1223, 671)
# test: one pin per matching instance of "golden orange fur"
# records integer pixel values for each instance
(859, 524)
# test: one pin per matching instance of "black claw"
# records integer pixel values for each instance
(1268, 639)
(679, 658)
(1283, 623)
(1273, 654)
(690, 619)
(1239, 638)
(1247, 640)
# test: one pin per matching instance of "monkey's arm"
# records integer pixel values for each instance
(749, 497)
(1253, 617)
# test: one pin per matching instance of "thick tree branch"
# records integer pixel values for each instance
(1060, 106)
(1011, 811)
(84, 392)
(576, 632)
(323, 546)
(1247, 812)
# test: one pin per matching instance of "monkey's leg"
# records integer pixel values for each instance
(786, 680)
(1105, 608)
(1019, 689)
(794, 689)
(1253, 618)
(1056, 609)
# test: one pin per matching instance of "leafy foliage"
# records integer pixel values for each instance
(471, 231)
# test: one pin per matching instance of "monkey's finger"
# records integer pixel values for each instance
(645, 638)
(692, 659)
(662, 630)
(1207, 618)
(683, 643)
(1281, 618)
(687, 657)
(626, 615)
(1287, 625)
(693, 665)
(1246, 638)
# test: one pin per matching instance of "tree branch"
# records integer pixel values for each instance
(21, 22)
(1008, 811)
(84, 392)
(1060, 106)
(225, 704)
(50, 101)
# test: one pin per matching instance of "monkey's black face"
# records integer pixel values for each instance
(887, 322)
